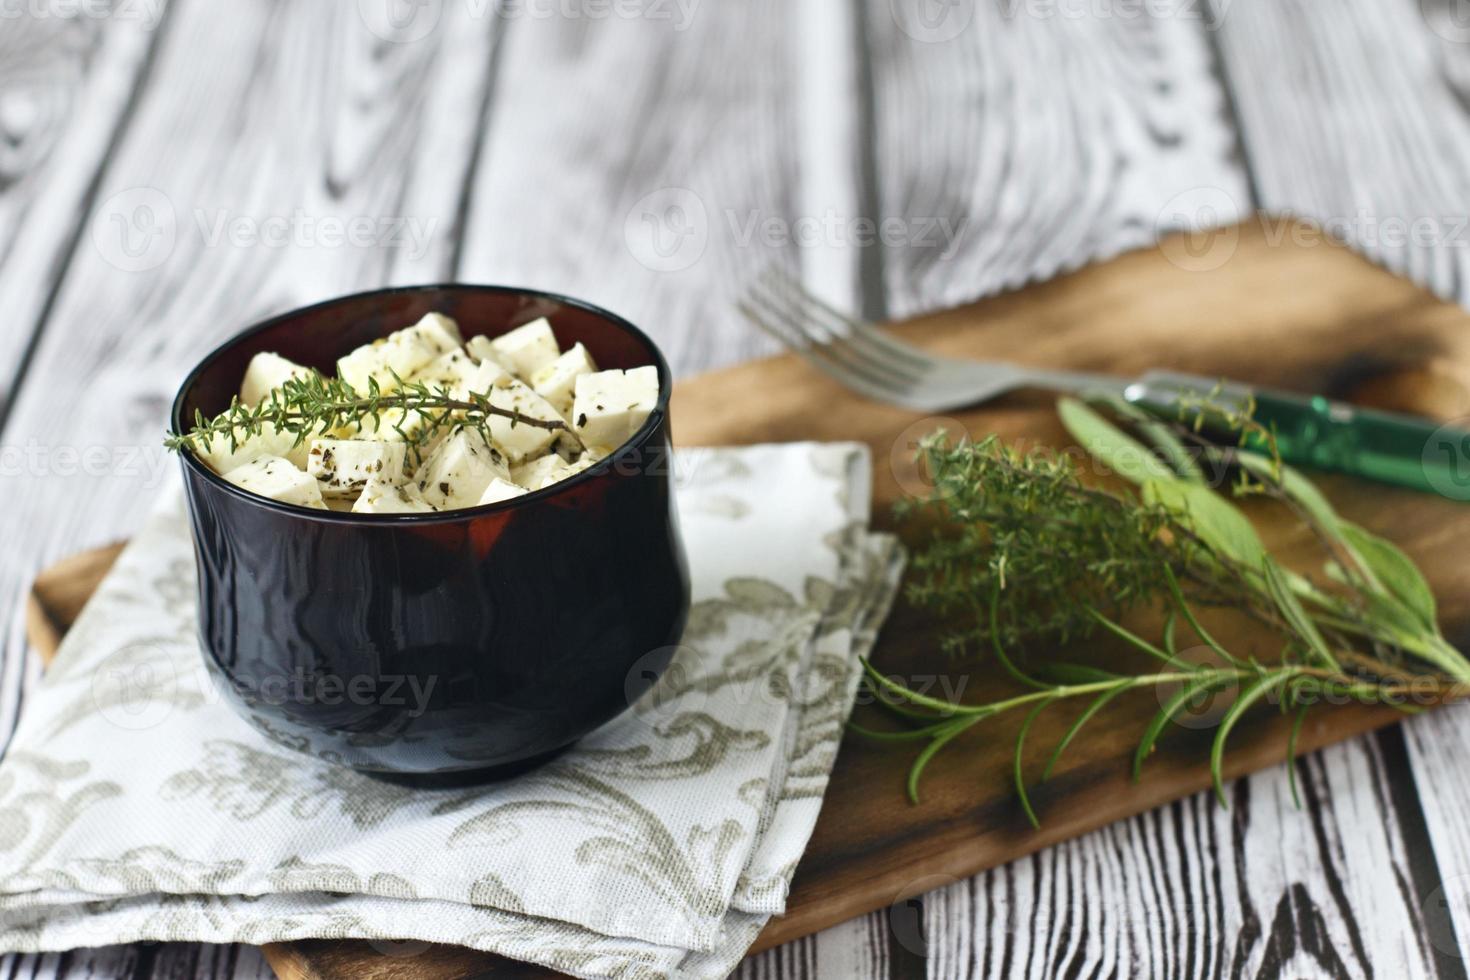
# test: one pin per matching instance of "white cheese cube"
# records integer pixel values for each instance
(520, 440)
(557, 381)
(457, 473)
(499, 490)
(453, 372)
(482, 349)
(486, 376)
(382, 497)
(540, 472)
(527, 349)
(403, 353)
(610, 406)
(266, 373)
(270, 441)
(439, 331)
(276, 478)
(344, 466)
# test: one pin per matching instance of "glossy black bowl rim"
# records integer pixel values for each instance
(650, 425)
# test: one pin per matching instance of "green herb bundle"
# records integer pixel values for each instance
(1018, 548)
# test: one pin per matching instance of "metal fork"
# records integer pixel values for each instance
(875, 365)
(1311, 430)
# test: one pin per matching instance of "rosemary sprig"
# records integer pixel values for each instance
(1020, 549)
(314, 405)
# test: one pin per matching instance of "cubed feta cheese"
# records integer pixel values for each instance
(609, 406)
(521, 441)
(543, 472)
(269, 441)
(344, 466)
(499, 490)
(381, 497)
(403, 353)
(453, 372)
(527, 349)
(557, 381)
(482, 349)
(440, 332)
(457, 473)
(540, 472)
(276, 478)
(266, 373)
(486, 376)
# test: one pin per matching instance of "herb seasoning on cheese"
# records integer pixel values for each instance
(421, 421)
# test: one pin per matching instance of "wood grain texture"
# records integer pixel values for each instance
(1358, 120)
(65, 96)
(603, 177)
(1040, 138)
(871, 851)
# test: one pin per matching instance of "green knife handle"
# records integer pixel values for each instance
(1313, 431)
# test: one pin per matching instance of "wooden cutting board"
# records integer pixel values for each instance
(1259, 303)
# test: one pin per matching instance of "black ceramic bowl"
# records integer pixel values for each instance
(464, 642)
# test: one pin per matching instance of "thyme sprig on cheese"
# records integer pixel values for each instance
(312, 404)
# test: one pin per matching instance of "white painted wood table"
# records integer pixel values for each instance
(170, 172)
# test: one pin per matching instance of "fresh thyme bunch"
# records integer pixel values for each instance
(1019, 548)
(1024, 527)
(313, 405)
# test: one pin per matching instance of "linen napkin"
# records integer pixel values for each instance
(135, 805)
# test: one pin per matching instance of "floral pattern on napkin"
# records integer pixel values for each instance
(134, 804)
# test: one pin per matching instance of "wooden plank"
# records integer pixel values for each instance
(872, 851)
(68, 84)
(1358, 120)
(1041, 137)
(604, 177)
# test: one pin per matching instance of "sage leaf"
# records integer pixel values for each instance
(1160, 434)
(1219, 523)
(1396, 571)
(1110, 445)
